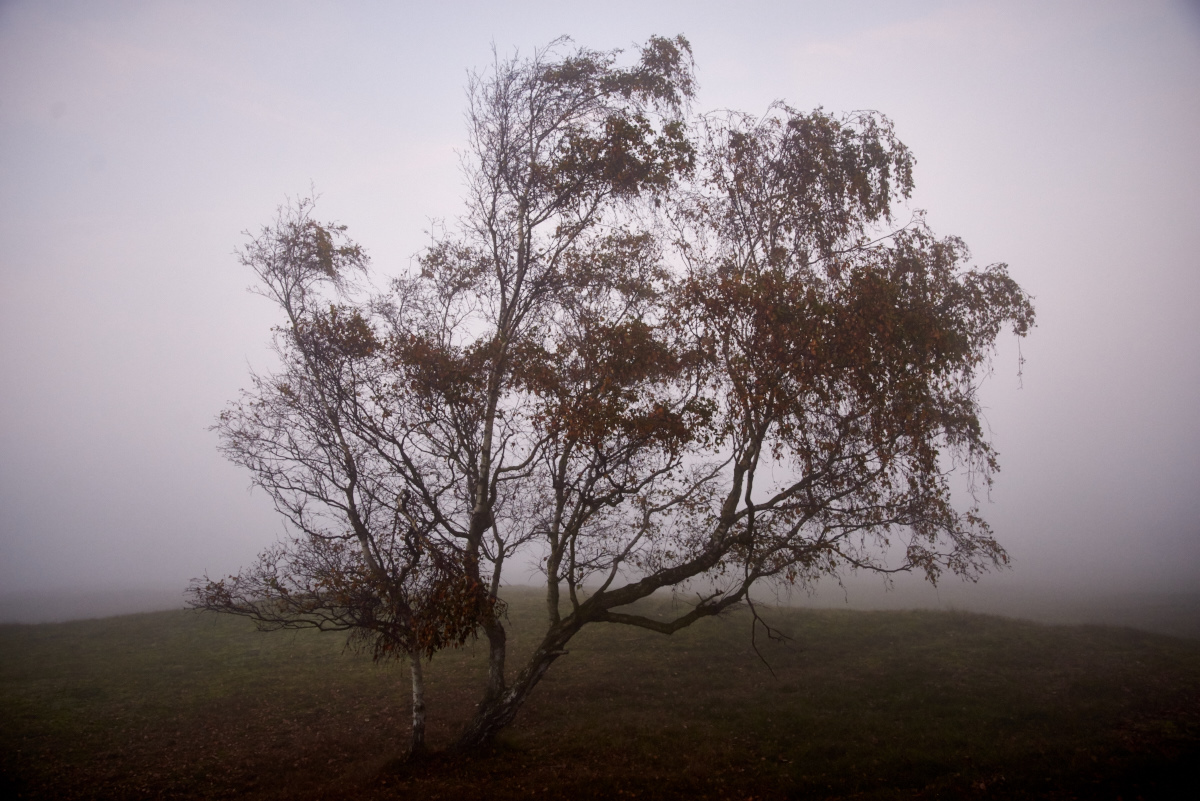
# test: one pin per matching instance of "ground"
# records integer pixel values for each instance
(853, 705)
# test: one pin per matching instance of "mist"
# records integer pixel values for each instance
(138, 141)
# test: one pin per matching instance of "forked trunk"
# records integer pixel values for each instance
(417, 743)
(498, 710)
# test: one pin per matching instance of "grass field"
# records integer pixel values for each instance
(861, 705)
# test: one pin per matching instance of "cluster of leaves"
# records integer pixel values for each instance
(426, 605)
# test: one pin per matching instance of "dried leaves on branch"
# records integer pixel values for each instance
(658, 350)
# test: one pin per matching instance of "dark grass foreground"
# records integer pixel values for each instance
(862, 705)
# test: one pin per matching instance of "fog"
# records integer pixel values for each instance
(138, 140)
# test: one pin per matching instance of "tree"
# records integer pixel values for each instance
(358, 561)
(661, 350)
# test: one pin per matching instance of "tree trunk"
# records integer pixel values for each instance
(417, 743)
(497, 651)
(497, 711)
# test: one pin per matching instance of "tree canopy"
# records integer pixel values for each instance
(658, 349)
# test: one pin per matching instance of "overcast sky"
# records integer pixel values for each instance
(137, 140)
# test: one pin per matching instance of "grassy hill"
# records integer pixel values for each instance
(854, 704)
